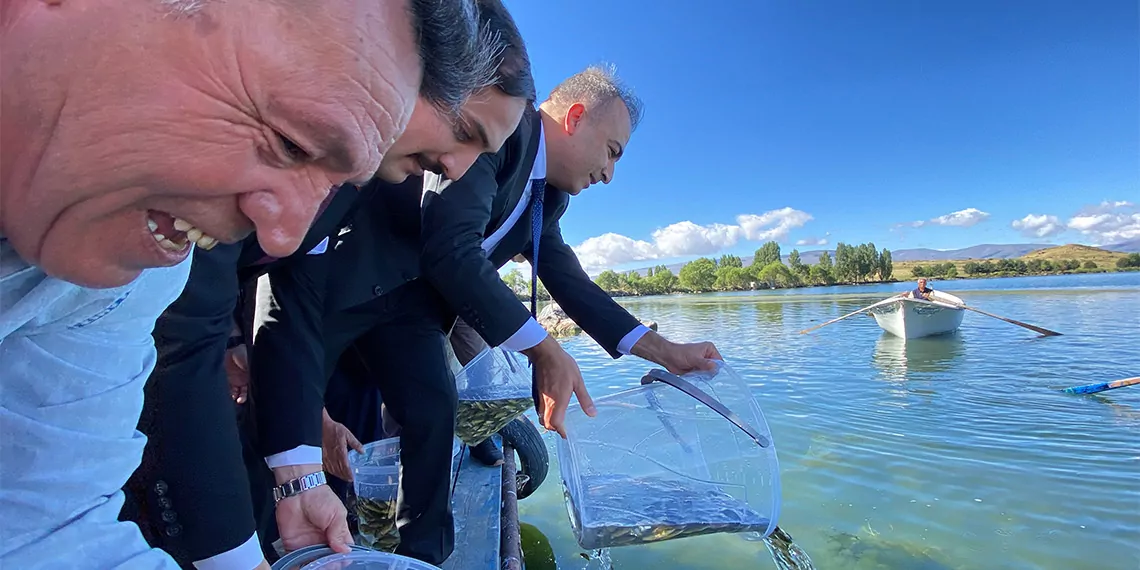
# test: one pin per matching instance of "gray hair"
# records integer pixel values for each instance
(597, 85)
(458, 55)
(513, 76)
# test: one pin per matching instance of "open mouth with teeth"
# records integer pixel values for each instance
(175, 234)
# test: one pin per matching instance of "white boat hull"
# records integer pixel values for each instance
(916, 318)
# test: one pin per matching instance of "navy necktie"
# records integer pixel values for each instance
(537, 189)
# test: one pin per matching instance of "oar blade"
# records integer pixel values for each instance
(1102, 386)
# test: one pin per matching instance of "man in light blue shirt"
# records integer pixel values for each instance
(130, 134)
(74, 361)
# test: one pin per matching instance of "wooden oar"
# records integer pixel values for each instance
(1094, 388)
(1033, 328)
(864, 309)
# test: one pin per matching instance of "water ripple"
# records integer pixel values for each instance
(952, 452)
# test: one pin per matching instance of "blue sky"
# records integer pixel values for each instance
(865, 116)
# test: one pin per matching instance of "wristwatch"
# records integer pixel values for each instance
(298, 486)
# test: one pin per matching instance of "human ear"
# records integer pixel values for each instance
(574, 117)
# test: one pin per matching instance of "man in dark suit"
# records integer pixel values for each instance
(371, 293)
(192, 495)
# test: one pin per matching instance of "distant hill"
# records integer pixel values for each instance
(1132, 246)
(1082, 253)
(1103, 259)
(984, 251)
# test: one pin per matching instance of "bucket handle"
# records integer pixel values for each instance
(702, 397)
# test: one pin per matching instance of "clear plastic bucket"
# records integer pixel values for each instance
(658, 464)
(323, 558)
(375, 488)
(494, 388)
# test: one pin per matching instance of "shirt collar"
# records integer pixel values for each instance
(538, 170)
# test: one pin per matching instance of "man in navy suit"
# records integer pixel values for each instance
(394, 284)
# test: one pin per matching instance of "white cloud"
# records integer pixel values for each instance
(1039, 226)
(1108, 222)
(961, 218)
(688, 239)
(814, 240)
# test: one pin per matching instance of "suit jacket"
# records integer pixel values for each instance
(191, 495)
(458, 217)
(382, 250)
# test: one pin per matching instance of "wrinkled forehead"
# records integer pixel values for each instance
(345, 75)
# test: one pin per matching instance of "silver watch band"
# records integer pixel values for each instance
(298, 486)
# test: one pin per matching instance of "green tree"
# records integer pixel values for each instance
(635, 283)
(1129, 261)
(728, 260)
(950, 272)
(1090, 264)
(886, 266)
(825, 263)
(664, 280)
(846, 264)
(732, 278)
(768, 253)
(797, 265)
(521, 285)
(820, 275)
(608, 280)
(698, 275)
(775, 274)
(920, 270)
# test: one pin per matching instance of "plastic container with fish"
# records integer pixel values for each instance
(678, 456)
(324, 558)
(375, 488)
(494, 388)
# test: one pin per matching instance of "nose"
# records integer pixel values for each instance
(283, 215)
(608, 173)
(456, 164)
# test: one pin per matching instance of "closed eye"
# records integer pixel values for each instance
(459, 131)
(292, 150)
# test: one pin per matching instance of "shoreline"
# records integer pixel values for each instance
(932, 279)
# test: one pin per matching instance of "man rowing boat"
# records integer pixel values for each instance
(920, 292)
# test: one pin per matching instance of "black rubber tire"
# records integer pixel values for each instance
(534, 461)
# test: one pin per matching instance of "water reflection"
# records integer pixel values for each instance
(899, 359)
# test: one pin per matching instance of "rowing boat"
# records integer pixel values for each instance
(915, 318)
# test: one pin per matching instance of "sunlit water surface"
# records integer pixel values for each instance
(951, 452)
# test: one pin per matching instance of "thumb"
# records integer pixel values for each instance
(352, 441)
(338, 536)
(240, 359)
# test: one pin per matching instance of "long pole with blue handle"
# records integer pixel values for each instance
(1094, 388)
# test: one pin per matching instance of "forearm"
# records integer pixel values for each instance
(652, 347)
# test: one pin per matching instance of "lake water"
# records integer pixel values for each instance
(940, 453)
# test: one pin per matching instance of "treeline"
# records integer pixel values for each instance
(852, 264)
(1008, 267)
(1130, 261)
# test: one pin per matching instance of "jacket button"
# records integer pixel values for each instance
(173, 530)
(169, 516)
(160, 488)
(377, 290)
(164, 503)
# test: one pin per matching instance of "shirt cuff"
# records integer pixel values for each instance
(248, 555)
(631, 338)
(528, 335)
(300, 455)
